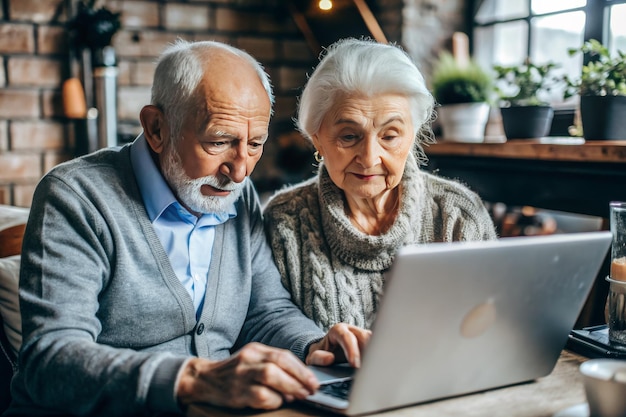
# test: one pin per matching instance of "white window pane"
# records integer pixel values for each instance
(503, 44)
(547, 6)
(617, 29)
(492, 10)
(552, 36)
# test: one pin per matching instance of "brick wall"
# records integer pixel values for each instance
(35, 135)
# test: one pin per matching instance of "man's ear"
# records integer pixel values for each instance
(155, 129)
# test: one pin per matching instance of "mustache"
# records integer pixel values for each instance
(220, 184)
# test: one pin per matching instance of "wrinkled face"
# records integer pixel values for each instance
(221, 144)
(365, 143)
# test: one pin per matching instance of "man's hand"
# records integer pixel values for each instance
(257, 376)
(342, 343)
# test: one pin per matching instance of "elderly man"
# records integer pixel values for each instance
(146, 274)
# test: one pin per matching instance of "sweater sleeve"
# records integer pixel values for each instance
(272, 317)
(282, 233)
(463, 213)
(63, 369)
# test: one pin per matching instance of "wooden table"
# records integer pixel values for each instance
(542, 398)
(557, 173)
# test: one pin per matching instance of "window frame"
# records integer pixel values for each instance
(596, 16)
(596, 12)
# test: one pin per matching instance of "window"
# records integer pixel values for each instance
(508, 31)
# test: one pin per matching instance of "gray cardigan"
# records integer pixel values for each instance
(107, 325)
(334, 271)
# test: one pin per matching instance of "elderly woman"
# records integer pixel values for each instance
(366, 110)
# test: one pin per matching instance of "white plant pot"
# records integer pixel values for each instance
(463, 122)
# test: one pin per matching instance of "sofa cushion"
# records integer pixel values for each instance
(12, 223)
(9, 302)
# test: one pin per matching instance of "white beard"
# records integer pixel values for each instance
(188, 190)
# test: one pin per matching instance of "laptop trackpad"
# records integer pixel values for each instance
(335, 373)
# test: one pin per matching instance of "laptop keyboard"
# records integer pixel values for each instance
(339, 389)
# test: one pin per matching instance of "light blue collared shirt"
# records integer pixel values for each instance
(187, 239)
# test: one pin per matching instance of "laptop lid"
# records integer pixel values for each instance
(464, 317)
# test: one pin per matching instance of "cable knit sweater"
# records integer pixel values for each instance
(335, 273)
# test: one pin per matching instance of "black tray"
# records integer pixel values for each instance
(593, 342)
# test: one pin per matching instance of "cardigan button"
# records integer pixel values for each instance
(200, 329)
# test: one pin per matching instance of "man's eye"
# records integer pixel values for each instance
(216, 145)
(255, 148)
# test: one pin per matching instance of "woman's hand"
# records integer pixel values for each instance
(343, 343)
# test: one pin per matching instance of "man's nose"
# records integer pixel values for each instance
(236, 167)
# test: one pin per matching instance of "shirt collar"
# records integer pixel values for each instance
(155, 192)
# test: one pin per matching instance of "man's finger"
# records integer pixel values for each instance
(290, 364)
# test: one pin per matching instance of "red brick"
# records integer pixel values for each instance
(186, 16)
(19, 166)
(34, 71)
(285, 107)
(143, 73)
(297, 51)
(4, 137)
(290, 78)
(262, 49)
(143, 43)
(136, 13)
(124, 69)
(5, 194)
(23, 194)
(269, 24)
(52, 103)
(130, 102)
(52, 40)
(19, 103)
(39, 11)
(52, 159)
(235, 21)
(37, 134)
(16, 38)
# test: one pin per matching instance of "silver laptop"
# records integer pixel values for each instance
(463, 317)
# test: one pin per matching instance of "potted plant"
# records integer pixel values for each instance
(523, 91)
(602, 89)
(463, 92)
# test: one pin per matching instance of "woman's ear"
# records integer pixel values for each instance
(316, 143)
(155, 130)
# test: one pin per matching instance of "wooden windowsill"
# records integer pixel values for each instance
(552, 148)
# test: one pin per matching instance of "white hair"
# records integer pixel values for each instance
(178, 73)
(363, 66)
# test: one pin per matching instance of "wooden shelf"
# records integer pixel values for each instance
(548, 149)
